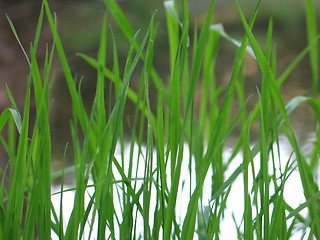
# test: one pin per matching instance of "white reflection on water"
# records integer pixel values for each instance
(293, 193)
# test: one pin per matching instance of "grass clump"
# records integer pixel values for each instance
(140, 182)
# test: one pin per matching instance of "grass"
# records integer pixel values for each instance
(177, 148)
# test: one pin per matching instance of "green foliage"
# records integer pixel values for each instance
(172, 149)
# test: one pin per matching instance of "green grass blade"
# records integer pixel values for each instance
(17, 38)
(13, 218)
(312, 32)
(76, 100)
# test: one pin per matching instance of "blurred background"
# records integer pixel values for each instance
(79, 27)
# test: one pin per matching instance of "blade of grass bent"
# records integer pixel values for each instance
(5, 115)
(18, 40)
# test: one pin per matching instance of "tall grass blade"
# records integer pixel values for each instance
(312, 32)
